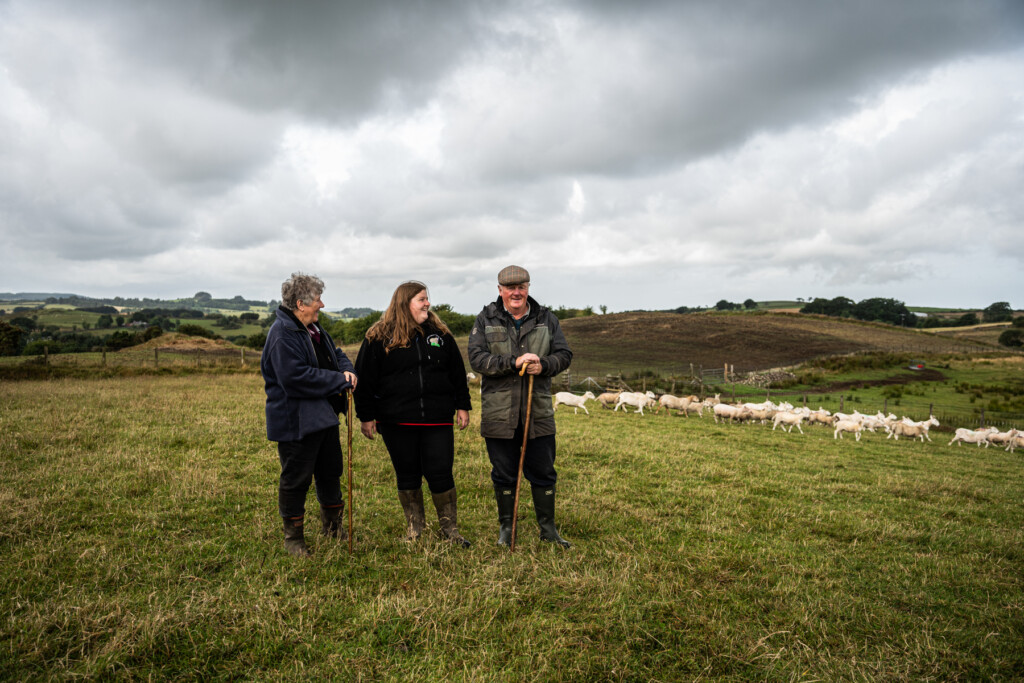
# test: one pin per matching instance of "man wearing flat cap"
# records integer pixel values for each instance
(511, 331)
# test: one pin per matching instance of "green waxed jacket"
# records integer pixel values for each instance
(494, 345)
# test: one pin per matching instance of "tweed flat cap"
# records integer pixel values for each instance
(513, 275)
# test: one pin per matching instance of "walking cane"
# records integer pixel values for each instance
(349, 416)
(522, 455)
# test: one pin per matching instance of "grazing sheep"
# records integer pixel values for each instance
(635, 399)
(570, 399)
(609, 398)
(976, 436)
(788, 418)
(847, 426)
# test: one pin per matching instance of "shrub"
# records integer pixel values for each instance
(197, 331)
(1013, 337)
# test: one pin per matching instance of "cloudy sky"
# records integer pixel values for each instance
(633, 155)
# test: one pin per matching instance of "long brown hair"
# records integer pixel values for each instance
(397, 328)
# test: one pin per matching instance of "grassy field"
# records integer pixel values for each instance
(140, 540)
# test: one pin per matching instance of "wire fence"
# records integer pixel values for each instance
(148, 358)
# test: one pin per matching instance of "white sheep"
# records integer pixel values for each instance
(1003, 438)
(1016, 442)
(922, 427)
(674, 402)
(635, 399)
(692, 407)
(820, 416)
(730, 413)
(609, 398)
(847, 426)
(712, 401)
(899, 429)
(788, 418)
(570, 399)
(762, 414)
(975, 436)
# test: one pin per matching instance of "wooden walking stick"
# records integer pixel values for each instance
(522, 455)
(349, 416)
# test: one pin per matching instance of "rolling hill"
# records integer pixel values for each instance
(670, 342)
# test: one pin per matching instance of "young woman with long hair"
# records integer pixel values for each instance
(412, 390)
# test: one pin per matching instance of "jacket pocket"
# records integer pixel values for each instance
(541, 406)
(497, 407)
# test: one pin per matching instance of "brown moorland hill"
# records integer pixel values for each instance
(748, 341)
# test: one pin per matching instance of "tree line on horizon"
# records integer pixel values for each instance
(21, 336)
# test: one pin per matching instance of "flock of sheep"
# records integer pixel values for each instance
(787, 416)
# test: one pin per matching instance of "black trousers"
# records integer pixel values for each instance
(318, 457)
(538, 465)
(420, 452)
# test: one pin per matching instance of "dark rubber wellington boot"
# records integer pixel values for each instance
(447, 516)
(415, 517)
(332, 522)
(294, 541)
(544, 506)
(506, 498)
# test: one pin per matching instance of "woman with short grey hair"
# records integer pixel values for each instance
(305, 375)
(300, 287)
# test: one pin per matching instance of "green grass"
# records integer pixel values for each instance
(140, 539)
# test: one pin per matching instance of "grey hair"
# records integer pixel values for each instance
(300, 287)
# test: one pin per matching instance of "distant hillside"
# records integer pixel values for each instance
(33, 296)
(669, 342)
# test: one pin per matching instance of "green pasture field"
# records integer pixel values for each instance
(140, 540)
(994, 384)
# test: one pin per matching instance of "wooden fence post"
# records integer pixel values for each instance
(46, 355)
(156, 358)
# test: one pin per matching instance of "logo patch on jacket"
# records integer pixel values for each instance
(434, 340)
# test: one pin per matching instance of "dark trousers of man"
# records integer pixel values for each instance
(316, 457)
(421, 452)
(538, 465)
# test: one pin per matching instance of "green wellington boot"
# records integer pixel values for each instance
(506, 498)
(544, 506)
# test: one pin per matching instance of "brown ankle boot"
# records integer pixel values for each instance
(332, 522)
(294, 540)
(447, 515)
(415, 517)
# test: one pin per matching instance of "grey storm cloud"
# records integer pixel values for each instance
(719, 149)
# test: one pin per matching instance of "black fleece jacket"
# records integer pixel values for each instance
(423, 383)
